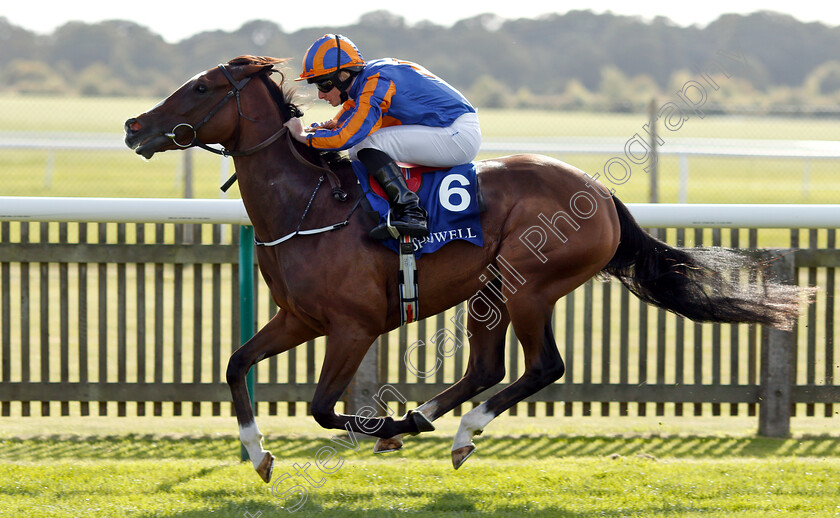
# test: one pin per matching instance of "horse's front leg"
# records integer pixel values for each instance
(346, 347)
(281, 333)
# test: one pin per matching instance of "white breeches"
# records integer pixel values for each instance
(426, 145)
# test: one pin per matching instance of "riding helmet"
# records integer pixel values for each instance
(329, 54)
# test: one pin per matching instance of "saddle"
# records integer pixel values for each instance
(412, 173)
(451, 197)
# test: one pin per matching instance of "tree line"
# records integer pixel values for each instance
(577, 60)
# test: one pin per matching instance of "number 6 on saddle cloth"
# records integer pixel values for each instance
(452, 199)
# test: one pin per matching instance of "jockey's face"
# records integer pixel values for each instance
(333, 96)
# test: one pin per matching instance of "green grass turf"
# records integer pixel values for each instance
(541, 475)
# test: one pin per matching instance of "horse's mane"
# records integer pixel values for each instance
(285, 96)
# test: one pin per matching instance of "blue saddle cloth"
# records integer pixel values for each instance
(451, 199)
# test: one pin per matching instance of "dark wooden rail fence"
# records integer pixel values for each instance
(140, 319)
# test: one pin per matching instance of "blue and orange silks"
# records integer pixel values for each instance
(390, 92)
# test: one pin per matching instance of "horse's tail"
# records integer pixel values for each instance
(704, 285)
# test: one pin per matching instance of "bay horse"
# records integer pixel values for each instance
(545, 220)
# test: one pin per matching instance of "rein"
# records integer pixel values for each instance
(337, 192)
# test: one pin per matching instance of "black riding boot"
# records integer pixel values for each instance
(406, 214)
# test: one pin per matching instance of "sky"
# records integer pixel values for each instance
(175, 21)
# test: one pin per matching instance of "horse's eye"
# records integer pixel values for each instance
(200, 89)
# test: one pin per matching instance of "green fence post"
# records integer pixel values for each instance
(246, 304)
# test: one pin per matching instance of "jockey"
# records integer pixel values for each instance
(391, 110)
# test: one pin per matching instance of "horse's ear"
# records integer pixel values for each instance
(276, 63)
(274, 67)
(256, 64)
(269, 61)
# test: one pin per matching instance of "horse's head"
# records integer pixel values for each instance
(210, 108)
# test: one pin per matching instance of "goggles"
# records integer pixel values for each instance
(326, 85)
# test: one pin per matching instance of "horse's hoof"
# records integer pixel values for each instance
(266, 466)
(388, 445)
(462, 454)
(421, 421)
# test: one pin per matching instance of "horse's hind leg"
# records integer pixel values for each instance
(485, 368)
(345, 350)
(543, 366)
(281, 333)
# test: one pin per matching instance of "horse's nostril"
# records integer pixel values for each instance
(133, 125)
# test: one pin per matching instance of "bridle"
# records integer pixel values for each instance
(233, 92)
(293, 111)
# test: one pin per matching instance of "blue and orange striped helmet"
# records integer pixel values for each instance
(329, 54)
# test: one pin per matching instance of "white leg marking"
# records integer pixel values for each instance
(473, 421)
(252, 440)
(428, 409)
